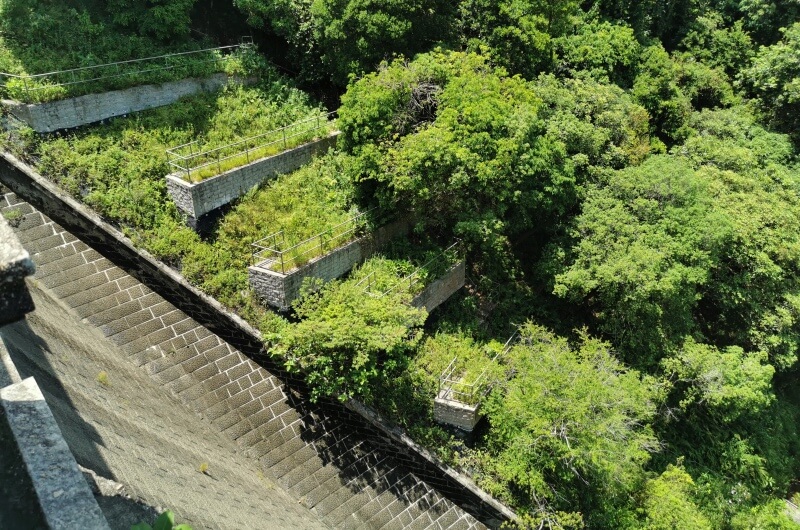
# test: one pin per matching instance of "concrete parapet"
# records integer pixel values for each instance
(83, 110)
(15, 265)
(63, 494)
(440, 290)
(280, 290)
(198, 199)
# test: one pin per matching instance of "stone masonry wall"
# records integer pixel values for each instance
(197, 199)
(280, 290)
(83, 110)
(455, 413)
(439, 291)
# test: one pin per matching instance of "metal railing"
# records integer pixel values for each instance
(107, 71)
(408, 282)
(271, 252)
(454, 388)
(187, 159)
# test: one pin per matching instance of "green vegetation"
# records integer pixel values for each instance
(39, 37)
(203, 158)
(118, 169)
(623, 176)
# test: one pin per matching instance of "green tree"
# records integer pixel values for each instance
(332, 39)
(569, 430)
(774, 79)
(601, 50)
(669, 504)
(644, 244)
(726, 384)
(163, 19)
(346, 339)
(519, 33)
(657, 89)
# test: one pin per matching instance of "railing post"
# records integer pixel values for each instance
(189, 162)
(219, 166)
(284, 138)
(25, 85)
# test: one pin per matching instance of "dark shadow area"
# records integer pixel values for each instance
(365, 456)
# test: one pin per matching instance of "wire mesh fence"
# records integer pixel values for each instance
(196, 164)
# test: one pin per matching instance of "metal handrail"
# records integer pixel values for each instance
(447, 381)
(267, 251)
(183, 162)
(72, 71)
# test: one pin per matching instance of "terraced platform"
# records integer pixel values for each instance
(324, 457)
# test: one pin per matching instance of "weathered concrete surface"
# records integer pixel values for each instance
(8, 371)
(280, 290)
(323, 455)
(198, 199)
(82, 110)
(15, 266)
(63, 494)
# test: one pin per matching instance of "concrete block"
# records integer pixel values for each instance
(279, 289)
(63, 493)
(456, 413)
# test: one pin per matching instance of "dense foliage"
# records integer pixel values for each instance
(624, 179)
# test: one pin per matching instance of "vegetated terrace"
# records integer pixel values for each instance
(60, 52)
(200, 159)
(118, 169)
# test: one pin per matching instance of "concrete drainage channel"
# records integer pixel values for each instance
(170, 285)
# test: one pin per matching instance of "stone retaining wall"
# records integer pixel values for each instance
(280, 290)
(440, 290)
(198, 199)
(299, 426)
(83, 110)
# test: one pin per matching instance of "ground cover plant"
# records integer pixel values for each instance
(118, 169)
(354, 331)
